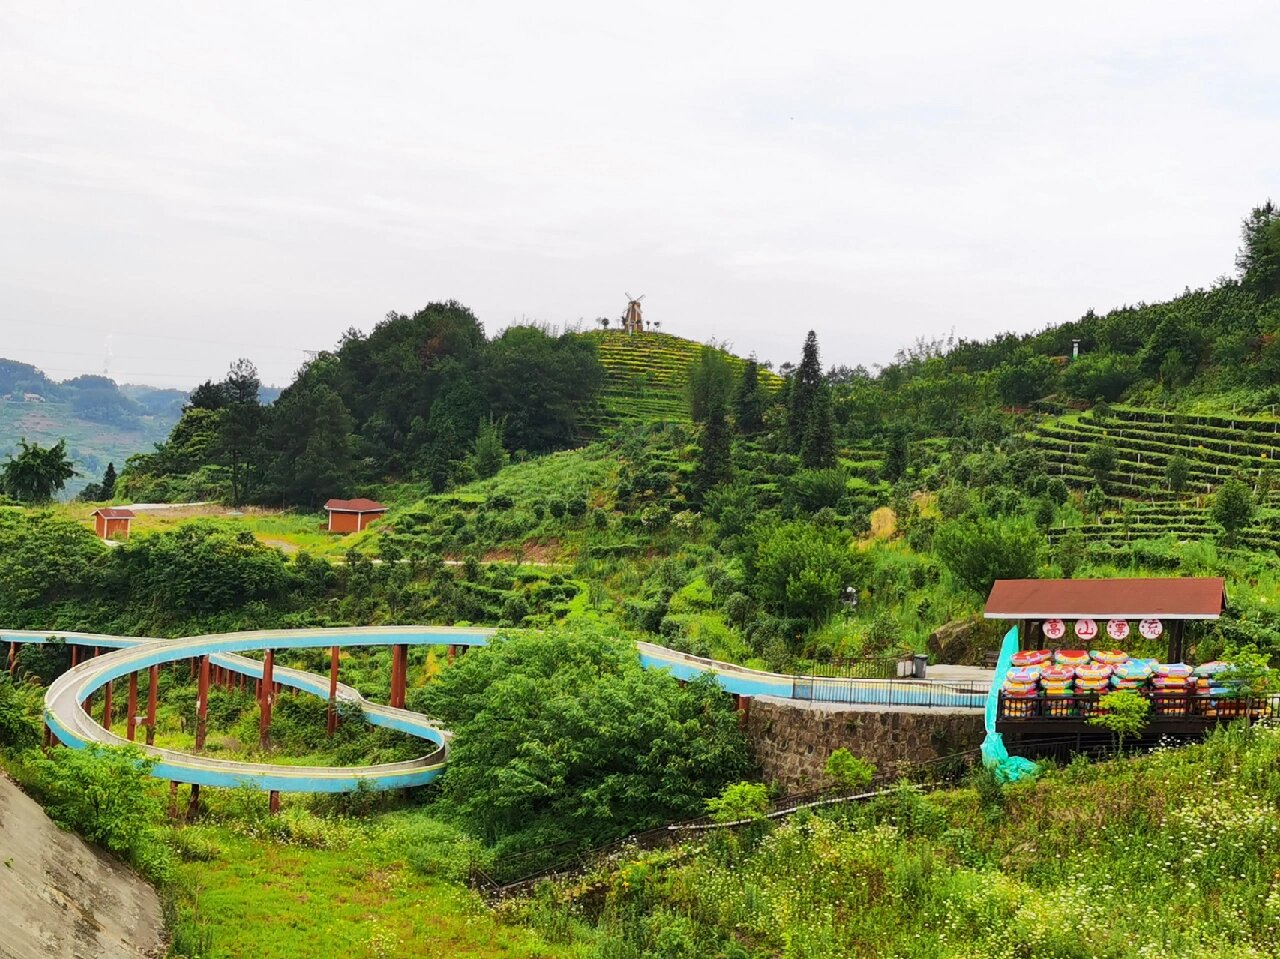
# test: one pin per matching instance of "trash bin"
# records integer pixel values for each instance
(918, 664)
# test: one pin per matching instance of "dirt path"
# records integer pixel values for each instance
(63, 899)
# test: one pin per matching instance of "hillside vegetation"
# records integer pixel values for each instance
(100, 421)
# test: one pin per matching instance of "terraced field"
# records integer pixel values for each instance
(1215, 447)
(647, 376)
(1184, 521)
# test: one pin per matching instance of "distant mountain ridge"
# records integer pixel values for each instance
(102, 421)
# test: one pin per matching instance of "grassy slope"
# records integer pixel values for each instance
(1173, 854)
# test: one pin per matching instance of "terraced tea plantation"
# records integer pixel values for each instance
(1215, 447)
(1184, 522)
(647, 376)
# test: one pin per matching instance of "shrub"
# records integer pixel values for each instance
(979, 552)
(847, 771)
(739, 801)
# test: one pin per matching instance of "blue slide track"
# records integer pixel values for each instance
(72, 726)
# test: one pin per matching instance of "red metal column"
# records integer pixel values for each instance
(75, 655)
(151, 705)
(202, 702)
(452, 652)
(265, 698)
(106, 706)
(131, 712)
(273, 801)
(399, 673)
(173, 799)
(333, 689)
(13, 659)
(193, 806)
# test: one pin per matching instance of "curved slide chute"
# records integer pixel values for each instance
(72, 726)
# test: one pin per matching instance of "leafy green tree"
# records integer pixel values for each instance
(750, 400)
(800, 570)
(739, 802)
(1123, 712)
(1101, 460)
(19, 726)
(1232, 507)
(37, 472)
(45, 561)
(1026, 377)
(1259, 257)
(848, 772)
(714, 448)
(980, 551)
(896, 458)
(1070, 553)
(1095, 501)
(711, 382)
(1100, 375)
(564, 734)
(489, 456)
(309, 434)
(1177, 470)
(539, 386)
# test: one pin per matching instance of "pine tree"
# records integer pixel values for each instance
(714, 448)
(108, 490)
(809, 428)
(818, 445)
(749, 400)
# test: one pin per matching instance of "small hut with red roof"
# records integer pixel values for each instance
(352, 515)
(112, 522)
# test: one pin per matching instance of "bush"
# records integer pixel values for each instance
(847, 771)
(101, 793)
(979, 552)
(739, 801)
(564, 735)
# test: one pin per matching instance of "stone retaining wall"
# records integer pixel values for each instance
(791, 741)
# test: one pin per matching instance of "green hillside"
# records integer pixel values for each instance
(91, 444)
(646, 376)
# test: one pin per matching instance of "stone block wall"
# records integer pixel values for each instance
(791, 741)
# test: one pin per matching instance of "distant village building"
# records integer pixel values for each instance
(352, 515)
(112, 522)
(32, 398)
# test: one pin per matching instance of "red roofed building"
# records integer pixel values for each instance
(352, 515)
(112, 522)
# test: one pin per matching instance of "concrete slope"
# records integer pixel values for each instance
(60, 898)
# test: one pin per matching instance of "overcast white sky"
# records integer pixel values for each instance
(193, 182)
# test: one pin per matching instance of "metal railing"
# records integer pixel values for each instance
(892, 692)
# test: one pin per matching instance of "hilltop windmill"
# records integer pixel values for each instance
(632, 322)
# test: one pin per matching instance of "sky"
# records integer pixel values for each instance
(183, 183)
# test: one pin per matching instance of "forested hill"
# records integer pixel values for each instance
(425, 398)
(1211, 350)
(101, 421)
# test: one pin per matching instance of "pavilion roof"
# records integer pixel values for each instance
(1151, 598)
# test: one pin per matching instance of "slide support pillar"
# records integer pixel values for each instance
(265, 698)
(131, 710)
(152, 679)
(333, 689)
(202, 703)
